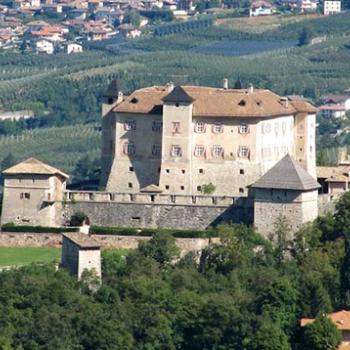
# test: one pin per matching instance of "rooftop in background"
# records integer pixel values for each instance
(218, 102)
(287, 174)
(34, 166)
(341, 319)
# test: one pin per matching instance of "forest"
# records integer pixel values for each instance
(246, 293)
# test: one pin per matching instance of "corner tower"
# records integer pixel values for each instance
(286, 190)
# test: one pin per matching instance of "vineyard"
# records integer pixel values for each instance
(58, 146)
(66, 90)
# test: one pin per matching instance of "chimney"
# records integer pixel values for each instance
(170, 86)
(225, 83)
(251, 88)
(285, 101)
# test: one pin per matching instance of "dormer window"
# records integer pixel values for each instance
(218, 128)
(200, 127)
(134, 100)
(130, 125)
(242, 103)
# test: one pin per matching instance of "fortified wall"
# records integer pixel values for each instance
(158, 210)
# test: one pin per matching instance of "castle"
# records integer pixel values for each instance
(184, 157)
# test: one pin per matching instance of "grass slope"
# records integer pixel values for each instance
(25, 256)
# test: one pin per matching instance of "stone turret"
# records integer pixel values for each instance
(33, 194)
(285, 190)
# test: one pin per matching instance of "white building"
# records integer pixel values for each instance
(45, 46)
(261, 8)
(331, 7)
(73, 48)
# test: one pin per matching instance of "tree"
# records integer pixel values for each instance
(8, 161)
(322, 334)
(133, 17)
(208, 188)
(161, 247)
(270, 336)
(77, 218)
(280, 237)
(305, 36)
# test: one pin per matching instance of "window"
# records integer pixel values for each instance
(156, 150)
(176, 127)
(166, 187)
(218, 128)
(131, 168)
(201, 171)
(200, 127)
(129, 148)
(243, 152)
(241, 171)
(157, 126)
(176, 151)
(199, 188)
(182, 188)
(217, 151)
(183, 171)
(167, 171)
(130, 125)
(130, 184)
(241, 190)
(199, 151)
(25, 195)
(243, 129)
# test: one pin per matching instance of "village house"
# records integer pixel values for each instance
(331, 7)
(261, 8)
(335, 105)
(197, 136)
(341, 319)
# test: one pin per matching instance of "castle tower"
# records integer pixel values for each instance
(111, 97)
(286, 190)
(176, 171)
(305, 138)
(33, 194)
(79, 253)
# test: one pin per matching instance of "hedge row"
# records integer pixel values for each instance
(104, 230)
(36, 229)
(125, 231)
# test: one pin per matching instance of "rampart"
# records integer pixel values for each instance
(158, 210)
(20, 239)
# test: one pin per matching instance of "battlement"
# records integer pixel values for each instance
(152, 198)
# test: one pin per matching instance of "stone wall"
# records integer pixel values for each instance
(326, 203)
(106, 241)
(172, 216)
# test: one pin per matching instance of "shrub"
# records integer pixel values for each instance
(77, 218)
(125, 231)
(10, 227)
